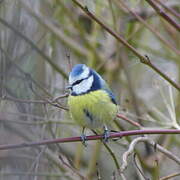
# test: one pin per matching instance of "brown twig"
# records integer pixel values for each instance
(153, 144)
(60, 97)
(90, 138)
(153, 30)
(71, 168)
(150, 64)
(163, 14)
(46, 101)
(31, 43)
(169, 9)
(170, 176)
(121, 116)
(22, 100)
(138, 168)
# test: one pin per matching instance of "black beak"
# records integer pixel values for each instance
(69, 87)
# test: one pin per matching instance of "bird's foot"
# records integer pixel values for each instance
(115, 139)
(106, 134)
(83, 139)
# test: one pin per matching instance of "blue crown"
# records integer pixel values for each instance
(77, 70)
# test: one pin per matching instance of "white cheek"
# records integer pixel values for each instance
(84, 86)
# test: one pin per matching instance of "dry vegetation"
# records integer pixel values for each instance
(136, 49)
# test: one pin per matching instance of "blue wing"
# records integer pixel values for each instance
(111, 95)
(105, 87)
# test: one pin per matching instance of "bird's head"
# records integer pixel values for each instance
(83, 79)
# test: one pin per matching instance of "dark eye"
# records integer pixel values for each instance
(77, 82)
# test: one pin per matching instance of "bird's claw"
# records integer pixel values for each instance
(83, 139)
(106, 135)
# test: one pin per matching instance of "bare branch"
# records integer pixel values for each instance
(31, 43)
(90, 138)
(170, 176)
(164, 15)
(153, 144)
(142, 58)
(129, 120)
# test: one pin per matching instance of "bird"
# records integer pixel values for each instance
(91, 102)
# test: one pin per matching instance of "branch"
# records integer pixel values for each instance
(142, 58)
(170, 176)
(31, 43)
(153, 144)
(45, 101)
(25, 74)
(149, 27)
(150, 64)
(90, 138)
(121, 116)
(164, 15)
(169, 9)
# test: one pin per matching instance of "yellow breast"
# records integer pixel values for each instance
(93, 109)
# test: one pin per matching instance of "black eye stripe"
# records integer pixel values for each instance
(77, 82)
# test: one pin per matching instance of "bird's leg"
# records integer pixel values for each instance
(94, 131)
(83, 137)
(114, 131)
(106, 134)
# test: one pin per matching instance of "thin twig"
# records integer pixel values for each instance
(138, 168)
(23, 100)
(71, 43)
(169, 9)
(164, 15)
(46, 101)
(110, 152)
(60, 97)
(41, 174)
(71, 168)
(129, 120)
(150, 64)
(31, 43)
(27, 75)
(170, 176)
(56, 104)
(153, 144)
(112, 155)
(158, 35)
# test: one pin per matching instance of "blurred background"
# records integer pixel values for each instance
(39, 43)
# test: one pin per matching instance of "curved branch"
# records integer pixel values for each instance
(153, 144)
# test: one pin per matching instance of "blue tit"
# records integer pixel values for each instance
(91, 102)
